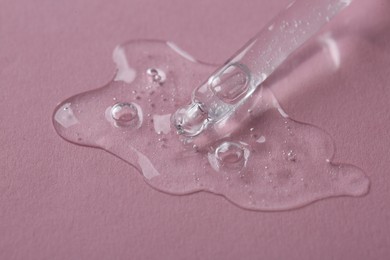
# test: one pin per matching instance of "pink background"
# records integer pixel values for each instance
(62, 201)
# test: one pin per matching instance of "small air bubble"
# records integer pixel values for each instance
(156, 75)
(125, 114)
(291, 156)
(231, 156)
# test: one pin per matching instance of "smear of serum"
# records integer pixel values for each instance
(269, 162)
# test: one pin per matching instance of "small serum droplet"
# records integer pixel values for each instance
(125, 115)
(231, 155)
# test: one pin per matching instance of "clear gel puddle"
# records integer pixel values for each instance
(269, 162)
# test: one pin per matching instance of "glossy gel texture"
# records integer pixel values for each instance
(267, 162)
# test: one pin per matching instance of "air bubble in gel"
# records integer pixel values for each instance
(125, 115)
(156, 75)
(270, 162)
(228, 157)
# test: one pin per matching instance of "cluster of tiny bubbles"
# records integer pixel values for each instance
(125, 115)
(288, 128)
(162, 141)
(291, 156)
(156, 75)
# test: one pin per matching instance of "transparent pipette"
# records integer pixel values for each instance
(225, 91)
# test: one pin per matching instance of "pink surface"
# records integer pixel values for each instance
(62, 201)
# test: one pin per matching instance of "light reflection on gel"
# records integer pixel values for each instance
(269, 162)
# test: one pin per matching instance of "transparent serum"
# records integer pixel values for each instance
(229, 136)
